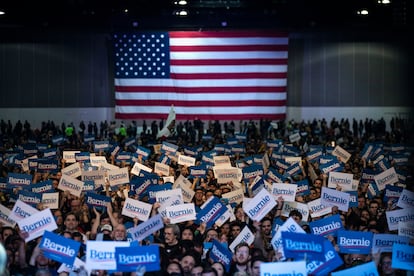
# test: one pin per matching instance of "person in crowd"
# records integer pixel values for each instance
(241, 258)
(74, 219)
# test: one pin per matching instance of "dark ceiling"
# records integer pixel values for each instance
(159, 14)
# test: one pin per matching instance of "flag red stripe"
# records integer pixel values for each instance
(191, 90)
(222, 76)
(199, 103)
(130, 116)
(229, 62)
(229, 48)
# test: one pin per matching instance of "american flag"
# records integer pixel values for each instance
(212, 75)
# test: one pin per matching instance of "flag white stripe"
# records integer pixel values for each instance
(229, 69)
(229, 55)
(142, 95)
(202, 83)
(202, 110)
(215, 41)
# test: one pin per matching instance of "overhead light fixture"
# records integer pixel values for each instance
(363, 12)
(181, 13)
(181, 2)
(384, 2)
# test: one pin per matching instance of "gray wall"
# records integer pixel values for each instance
(52, 69)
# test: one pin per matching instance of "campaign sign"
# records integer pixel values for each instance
(387, 177)
(5, 218)
(30, 198)
(402, 257)
(275, 176)
(399, 215)
(331, 197)
(153, 190)
(171, 201)
(118, 177)
(277, 243)
(300, 245)
(98, 177)
(326, 226)
(406, 199)
(129, 258)
(227, 174)
(293, 205)
(283, 268)
(162, 196)
(69, 155)
(211, 212)
(47, 165)
(146, 228)
(342, 154)
(286, 191)
(36, 224)
(59, 248)
(96, 200)
(369, 269)
(219, 253)
(303, 188)
(41, 187)
(331, 166)
(136, 169)
(187, 193)
(260, 205)
(181, 212)
(354, 242)
(406, 229)
(136, 209)
(19, 179)
(244, 236)
(342, 180)
(235, 196)
(101, 254)
(22, 210)
(50, 200)
(331, 262)
(73, 170)
(73, 185)
(384, 242)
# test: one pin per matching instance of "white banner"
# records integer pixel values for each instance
(397, 216)
(69, 155)
(260, 205)
(341, 154)
(101, 254)
(331, 197)
(285, 190)
(181, 213)
(73, 170)
(73, 185)
(50, 200)
(342, 180)
(118, 177)
(138, 167)
(162, 169)
(406, 199)
(136, 209)
(36, 224)
(386, 177)
(245, 236)
(186, 160)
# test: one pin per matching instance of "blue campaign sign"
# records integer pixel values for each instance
(96, 200)
(130, 258)
(354, 242)
(59, 248)
(369, 269)
(300, 245)
(332, 261)
(153, 189)
(219, 253)
(326, 226)
(211, 212)
(403, 256)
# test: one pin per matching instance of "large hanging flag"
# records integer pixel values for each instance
(214, 75)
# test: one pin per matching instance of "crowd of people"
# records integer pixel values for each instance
(184, 246)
